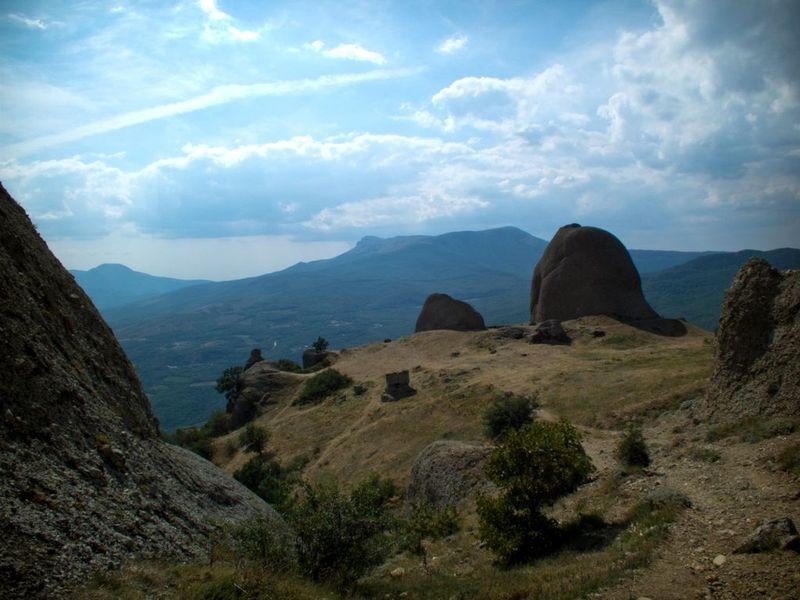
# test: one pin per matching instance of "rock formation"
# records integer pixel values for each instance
(586, 271)
(398, 386)
(441, 311)
(550, 332)
(757, 370)
(85, 481)
(255, 357)
(447, 473)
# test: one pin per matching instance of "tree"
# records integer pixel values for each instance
(507, 412)
(532, 468)
(228, 382)
(320, 344)
(253, 438)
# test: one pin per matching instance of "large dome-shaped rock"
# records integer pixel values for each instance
(441, 311)
(757, 369)
(447, 473)
(85, 481)
(586, 271)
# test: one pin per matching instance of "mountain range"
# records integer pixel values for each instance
(182, 340)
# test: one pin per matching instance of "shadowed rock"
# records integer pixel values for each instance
(441, 311)
(550, 332)
(757, 369)
(85, 481)
(398, 386)
(586, 271)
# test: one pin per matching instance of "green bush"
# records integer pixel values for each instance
(218, 424)
(532, 468)
(265, 477)
(253, 438)
(427, 522)
(195, 440)
(321, 385)
(262, 541)
(341, 537)
(632, 450)
(789, 459)
(508, 412)
(320, 344)
(228, 382)
(284, 364)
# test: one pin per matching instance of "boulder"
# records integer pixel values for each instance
(313, 357)
(85, 480)
(757, 367)
(441, 311)
(550, 332)
(448, 473)
(586, 271)
(771, 534)
(397, 386)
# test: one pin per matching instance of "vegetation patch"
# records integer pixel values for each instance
(320, 386)
(632, 449)
(508, 412)
(753, 429)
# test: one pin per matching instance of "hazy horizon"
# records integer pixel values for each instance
(217, 139)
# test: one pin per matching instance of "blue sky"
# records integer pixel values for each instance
(227, 138)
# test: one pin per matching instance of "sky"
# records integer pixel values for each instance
(228, 138)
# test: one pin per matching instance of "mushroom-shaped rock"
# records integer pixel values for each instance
(448, 472)
(441, 311)
(586, 271)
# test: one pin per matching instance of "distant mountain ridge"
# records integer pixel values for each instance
(110, 285)
(182, 340)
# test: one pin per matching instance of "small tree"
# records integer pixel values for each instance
(253, 438)
(508, 412)
(532, 467)
(320, 344)
(427, 522)
(228, 382)
(632, 449)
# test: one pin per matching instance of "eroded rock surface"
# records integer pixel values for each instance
(757, 371)
(85, 481)
(441, 311)
(447, 473)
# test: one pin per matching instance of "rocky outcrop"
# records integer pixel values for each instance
(398, 386)
(550, 332)
(264, 384)
(757, 369)
(448, 473)
(771, 534)
(85, 481)
(441, 311)
(255, 357)
(586, 271)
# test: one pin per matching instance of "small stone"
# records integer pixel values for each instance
(398, 572)
(719, 560)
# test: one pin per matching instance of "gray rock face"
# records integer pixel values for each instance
(550, 332)
(586, 271)
(441, 311)
(770, 535)
(447, 473)
(85, 481)
(757, 370)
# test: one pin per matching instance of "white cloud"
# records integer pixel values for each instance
(28, 22)
(453, 44)
(346, 51)
(220, 28)
(217, 96)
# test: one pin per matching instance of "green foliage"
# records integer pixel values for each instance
(264, 476)
(321, 385)
(320, 344)
(341, 537)
(218, 424)
(427, 522)
(507, 412)
(228, 382)
(260, 540)
(253, 438)
(194, 439)
(631, 450)
(532, 468)
(284, 364)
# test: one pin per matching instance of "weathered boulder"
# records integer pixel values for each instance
(85, 481)
(757, 368)
(441, 311)
(550, 332)
(398, 386)
(771, 534)
(448, 473)
(586, 271)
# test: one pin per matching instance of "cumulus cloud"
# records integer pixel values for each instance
(453, 44)
(347, 51)
(219, 25)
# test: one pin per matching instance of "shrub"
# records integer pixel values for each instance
(532, 468)
(508, 412)
(228, 382)
(632, 449)
(284, 364)
(427, 522)
(320, 344)
(195, 440)
(218, 424)
(321, 385)
(262, 541)
(267, 479)
(253, 438)
(340, 537)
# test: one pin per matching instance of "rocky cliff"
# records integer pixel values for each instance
(85, 481)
